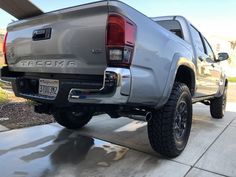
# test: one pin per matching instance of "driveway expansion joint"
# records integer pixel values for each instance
(194, 165)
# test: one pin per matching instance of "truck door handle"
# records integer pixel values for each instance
(42, 34)
(200, 58)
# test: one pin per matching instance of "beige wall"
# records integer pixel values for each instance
(223, 45)
(1, 56)
(2, 32)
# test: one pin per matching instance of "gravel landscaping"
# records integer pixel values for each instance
(17, 112)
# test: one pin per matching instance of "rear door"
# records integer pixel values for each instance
(203, 65)
(214, 69)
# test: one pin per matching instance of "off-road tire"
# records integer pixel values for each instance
(162, 128)
(218, 105)
(72, 120)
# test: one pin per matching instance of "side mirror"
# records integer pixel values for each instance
(222, 56)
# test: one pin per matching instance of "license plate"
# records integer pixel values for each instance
(48, 87)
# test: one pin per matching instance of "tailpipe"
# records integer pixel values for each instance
(148, 116)
(145, 117)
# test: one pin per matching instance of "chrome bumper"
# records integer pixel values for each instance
(119, 96)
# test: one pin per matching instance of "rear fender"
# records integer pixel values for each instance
(177, 61)
(223, 84)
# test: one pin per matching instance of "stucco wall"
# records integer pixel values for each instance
(2, 32)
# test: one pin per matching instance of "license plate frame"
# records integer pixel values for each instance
(48, 87)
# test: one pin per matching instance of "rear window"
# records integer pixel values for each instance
(173, 26)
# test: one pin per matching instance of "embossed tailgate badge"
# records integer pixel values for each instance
(49, 63)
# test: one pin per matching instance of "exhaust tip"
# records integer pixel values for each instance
(148, 116)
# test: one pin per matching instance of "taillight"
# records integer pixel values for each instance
(121, 34)
(4, 48)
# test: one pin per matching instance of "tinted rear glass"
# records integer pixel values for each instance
(173, 26)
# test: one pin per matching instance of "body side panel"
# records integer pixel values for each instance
(153, 59)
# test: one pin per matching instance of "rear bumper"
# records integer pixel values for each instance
(119, 96)
(115, 88)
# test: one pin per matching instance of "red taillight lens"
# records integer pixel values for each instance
(115, 30)
(121, 33)
(4, 48)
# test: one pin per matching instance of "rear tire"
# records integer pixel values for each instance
(72, 120)
(169, 129)
(218, 105)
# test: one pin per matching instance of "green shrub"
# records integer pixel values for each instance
(3, 96)
(232, 79)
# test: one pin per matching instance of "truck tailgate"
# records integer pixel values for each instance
(70, 40)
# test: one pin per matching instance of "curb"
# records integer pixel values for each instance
(3, 128)
(6, 82)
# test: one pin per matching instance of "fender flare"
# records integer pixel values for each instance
(177, 61)
(222, 85)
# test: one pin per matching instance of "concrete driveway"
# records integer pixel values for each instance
(119, 147)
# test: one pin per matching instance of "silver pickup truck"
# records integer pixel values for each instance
(108, 57)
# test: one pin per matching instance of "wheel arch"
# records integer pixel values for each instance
(186, 75)
(181, 66)
(222, 86)
(226, 82)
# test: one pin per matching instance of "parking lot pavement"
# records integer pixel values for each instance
(119, 147)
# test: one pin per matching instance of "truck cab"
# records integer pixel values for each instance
(209, 78)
